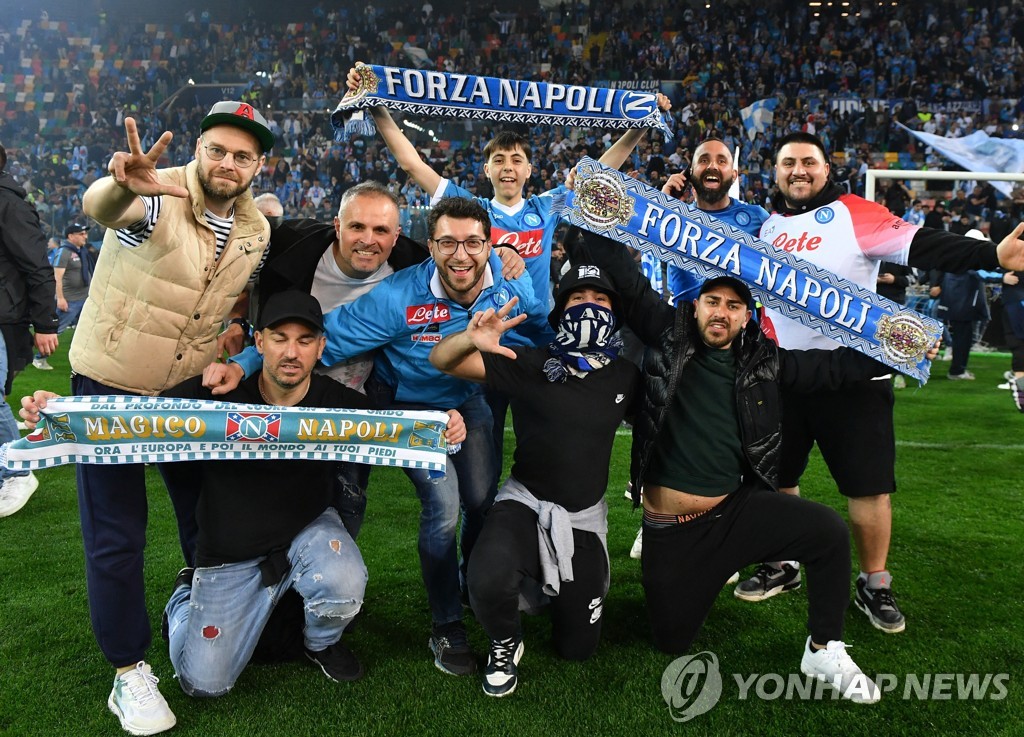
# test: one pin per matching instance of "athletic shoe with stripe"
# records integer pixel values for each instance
(501, 676)
(136, 701)
(767, 581)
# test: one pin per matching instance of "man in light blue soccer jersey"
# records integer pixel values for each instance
(711, 175)
(527, 225)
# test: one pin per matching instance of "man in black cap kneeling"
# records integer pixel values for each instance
(266, 525)
(705, 456)
(548, 525)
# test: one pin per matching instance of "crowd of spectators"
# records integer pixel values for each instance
(943, 67)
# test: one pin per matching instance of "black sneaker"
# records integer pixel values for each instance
(451, 649)
(337, 662)
(1017, 387)
(880, 607)
(184, 578)
(501, 676)
(767, 581)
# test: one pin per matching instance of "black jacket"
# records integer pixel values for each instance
(671, 340)
(27, 288)
(297, 246)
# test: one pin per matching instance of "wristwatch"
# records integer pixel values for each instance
(246, 327)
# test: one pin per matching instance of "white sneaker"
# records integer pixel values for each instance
(638, 545)
(137, 702)
(832, 665)
(734, 578)
(42, 364)
(15, 492)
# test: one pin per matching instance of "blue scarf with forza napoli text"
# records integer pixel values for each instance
(607, 202)
(129, 429)
(442, 95)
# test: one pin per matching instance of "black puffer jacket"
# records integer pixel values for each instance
(27, 287)
(27, 296)
(671, 339)
(757, 387)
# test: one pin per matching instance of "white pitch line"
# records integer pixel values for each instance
(959, 446)
(622, 432)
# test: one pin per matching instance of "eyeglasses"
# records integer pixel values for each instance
(241, 158)
(448, 246)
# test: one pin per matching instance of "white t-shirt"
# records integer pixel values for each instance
(333, 288)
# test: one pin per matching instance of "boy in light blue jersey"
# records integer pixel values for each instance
(527, 225)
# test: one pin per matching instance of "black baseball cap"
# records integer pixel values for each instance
(579, 276)
(741, 289)
(290, 306)
(241, 115)
(75, 228)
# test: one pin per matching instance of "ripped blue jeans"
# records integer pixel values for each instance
(214, 625)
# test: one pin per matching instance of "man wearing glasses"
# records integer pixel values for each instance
(181, 248)
(405, 316)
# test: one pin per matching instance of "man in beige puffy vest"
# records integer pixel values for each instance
(182, 247)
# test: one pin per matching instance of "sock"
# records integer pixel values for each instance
(876, 580)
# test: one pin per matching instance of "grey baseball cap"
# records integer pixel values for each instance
(241, 115)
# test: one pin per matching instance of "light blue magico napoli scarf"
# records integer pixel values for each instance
(130, 429)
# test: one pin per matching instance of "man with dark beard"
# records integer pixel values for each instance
(711, 175)
(181, 248)
(706, 444)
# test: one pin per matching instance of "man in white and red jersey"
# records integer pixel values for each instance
(846, 234)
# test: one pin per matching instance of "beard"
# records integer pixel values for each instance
(712, 196)
(221, 189)
(721, 341)
(468, 283)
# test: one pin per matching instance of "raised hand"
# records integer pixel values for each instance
(135, 170)
(1011, 250)
(486, 328)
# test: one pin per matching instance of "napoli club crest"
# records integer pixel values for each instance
(602, 200)
(903, 337)
(531, 219)
(824, 215)
(369, 82)
(253, 427)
